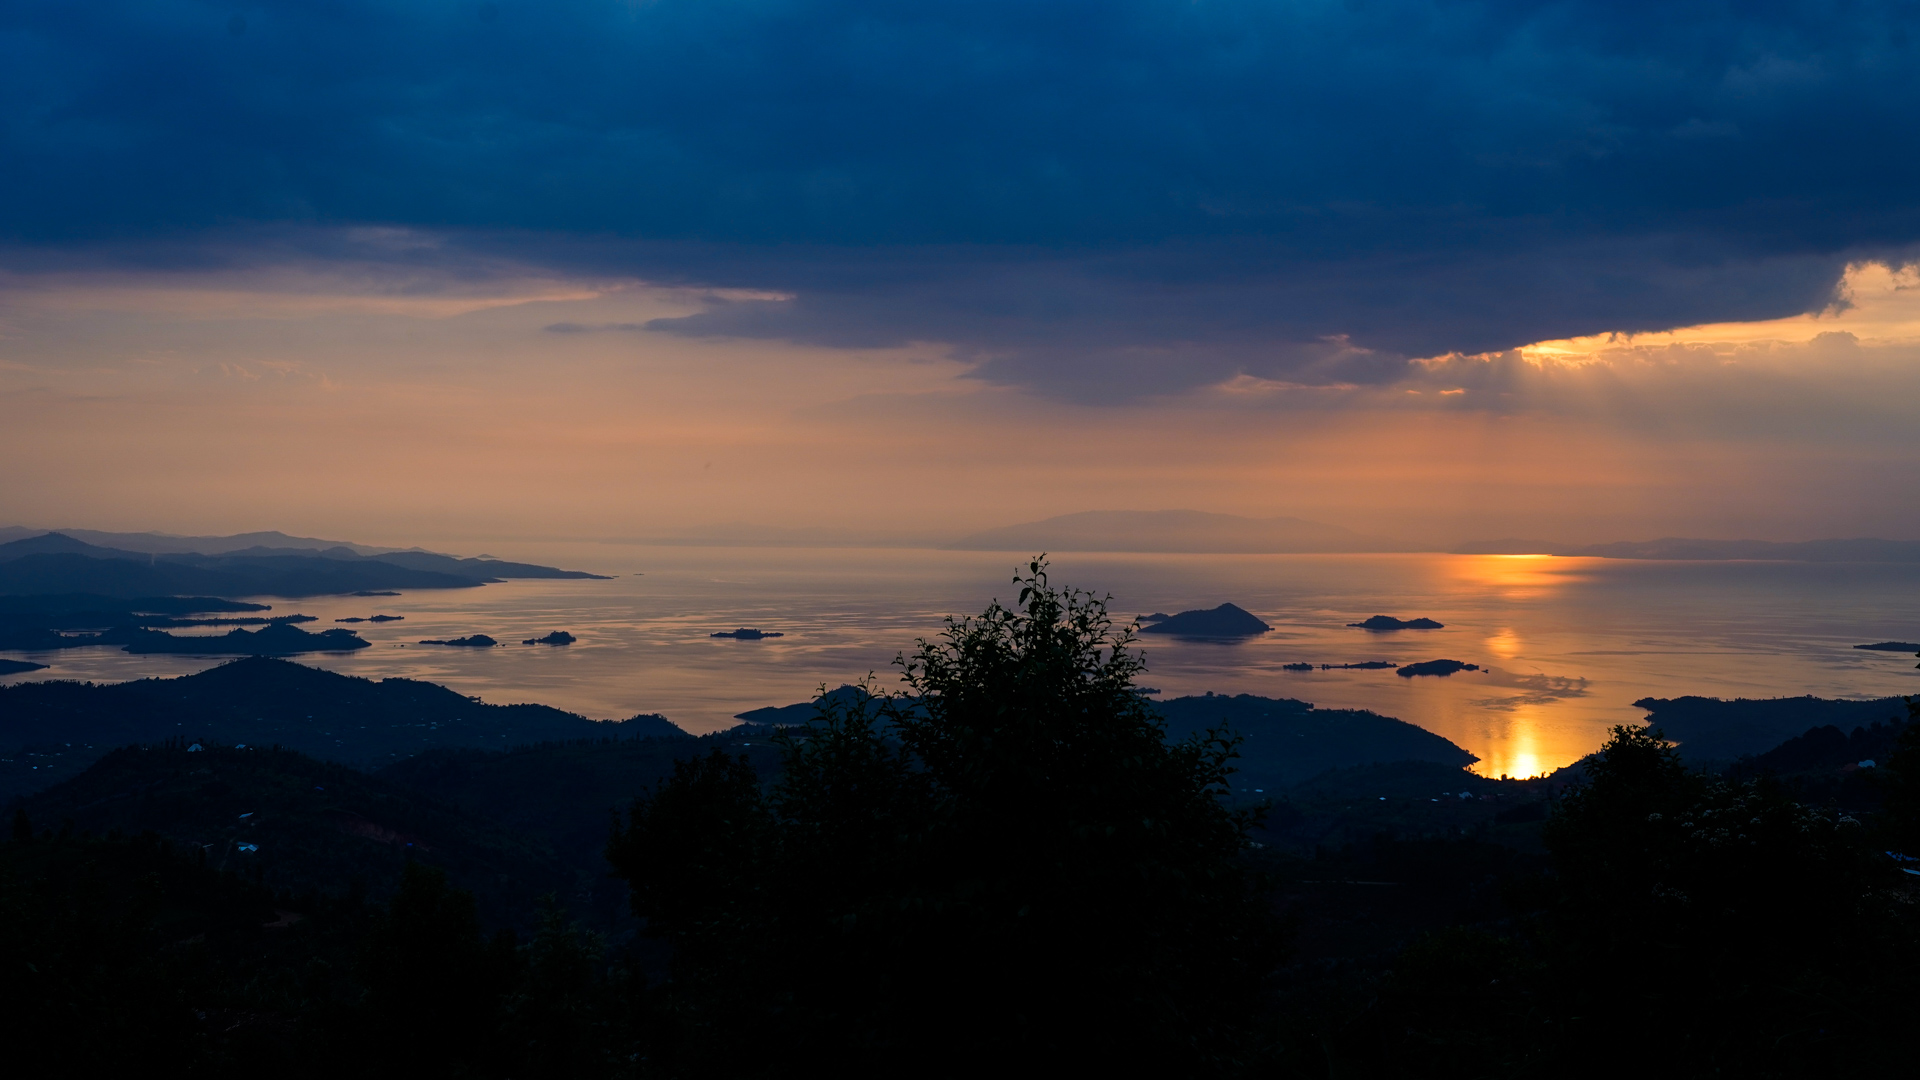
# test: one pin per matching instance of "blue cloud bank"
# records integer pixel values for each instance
(1143, 194)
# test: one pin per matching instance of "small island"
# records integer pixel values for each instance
(1227, 620)
(1369, 665)
(747, 633)
(477, 641)
(1296, 667)
(1891, 646)
(1388, 622)
(15, 667)
(373, 618)
(1435, 667)
(558, 637)
(279, 639)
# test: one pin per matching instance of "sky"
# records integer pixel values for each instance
(902, 271)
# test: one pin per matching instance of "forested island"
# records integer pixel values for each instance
(1435, 667)
(1225, 621)
(1388, 622)
(281, 639)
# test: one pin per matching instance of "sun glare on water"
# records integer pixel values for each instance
(1516, 752)
(1514, 577)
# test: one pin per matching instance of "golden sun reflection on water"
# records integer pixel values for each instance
(1515, 577)
(1517, 752)
(1504, 643)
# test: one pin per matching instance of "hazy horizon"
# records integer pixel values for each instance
(748, 535)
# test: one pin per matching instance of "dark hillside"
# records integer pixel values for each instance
(58, 727)
(1288, 741)
(1285, 741)
(58, 573)
(313, 826)
(1710, 730)
(566, 794)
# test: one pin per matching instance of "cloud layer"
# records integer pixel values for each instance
(1099, 200)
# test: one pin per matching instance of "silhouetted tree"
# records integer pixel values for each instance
(1006, 862)
(565, 1014)
(1900, 786)
(1731, 929)
(434, 987)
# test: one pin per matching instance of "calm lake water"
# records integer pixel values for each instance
(1569, 644)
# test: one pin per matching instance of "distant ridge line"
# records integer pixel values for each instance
(1176, 532)
(1685, 549)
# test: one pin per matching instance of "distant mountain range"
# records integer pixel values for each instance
(748, 534)
(1686, 549)
(1175, 531)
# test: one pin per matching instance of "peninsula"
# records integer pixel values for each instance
(54, 563)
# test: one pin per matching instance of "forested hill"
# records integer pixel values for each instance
(1710, 730)
(565, 793)
(1285, 741)
(53, 730)
(307, 826)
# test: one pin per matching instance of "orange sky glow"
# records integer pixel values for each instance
(351, 404)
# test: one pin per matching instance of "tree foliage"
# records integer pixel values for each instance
(1005, 859)
(1691, 926)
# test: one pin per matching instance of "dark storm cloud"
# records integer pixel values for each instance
(1090, 197)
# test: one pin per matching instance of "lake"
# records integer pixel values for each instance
(1568, 644)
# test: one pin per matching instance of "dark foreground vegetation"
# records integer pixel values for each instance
(1014, 864)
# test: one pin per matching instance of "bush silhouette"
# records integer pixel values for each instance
(1005, 861)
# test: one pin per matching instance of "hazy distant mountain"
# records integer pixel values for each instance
(747, 534)
(156, 543)
(61, 544)
(1173, 531)
(1684, 549)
